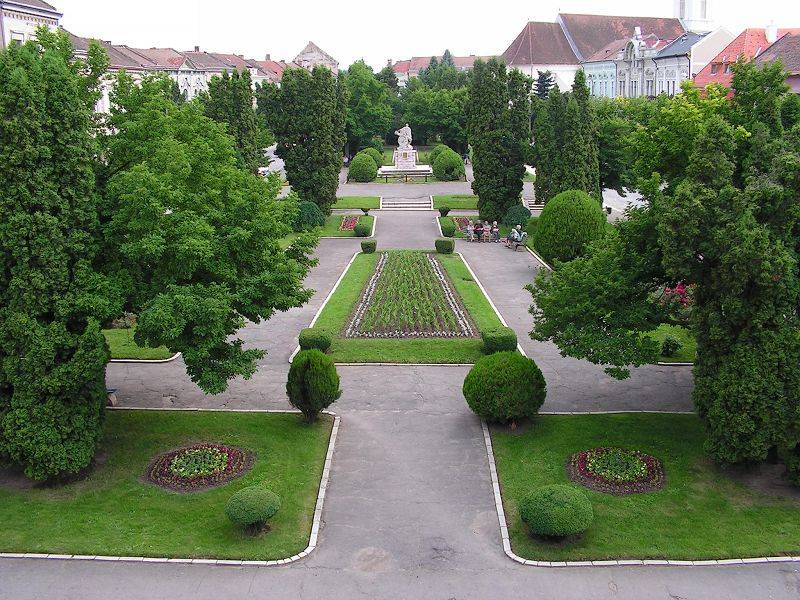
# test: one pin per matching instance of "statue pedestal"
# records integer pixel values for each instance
(405, 160)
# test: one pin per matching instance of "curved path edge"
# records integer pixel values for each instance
(315, 526)
(501, 517)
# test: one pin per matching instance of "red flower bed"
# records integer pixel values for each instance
(578, 471)
(461, 223)
(160, 472)
(348, 223)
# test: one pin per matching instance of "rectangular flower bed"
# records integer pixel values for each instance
(344, 225)
(348, 223)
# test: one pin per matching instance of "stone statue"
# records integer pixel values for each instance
(404, 138)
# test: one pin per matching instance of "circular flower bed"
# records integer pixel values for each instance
(616, 471)
(199, 467)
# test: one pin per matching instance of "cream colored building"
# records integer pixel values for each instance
(19, 19)
(312, 56)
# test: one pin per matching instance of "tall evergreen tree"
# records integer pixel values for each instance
(369, 111)
(230, 101)
(544, 83)
(589, 130)
(548, 145)
(573, 152)
(388, 77)
(307, 114)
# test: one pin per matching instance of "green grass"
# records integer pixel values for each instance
(687, 351)
(529, 177)
(357, 202)
(337, 312)
(114, 512)
(701, 514)
(121, 344)
(423, 155)
(333, 222)
(456, 202)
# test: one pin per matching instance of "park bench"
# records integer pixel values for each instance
(520, 242)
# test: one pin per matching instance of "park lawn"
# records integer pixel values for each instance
(113, 511)
(121, 344)
(456, 202)
(333, 222)
(423, 155)
(529, 178)
(701, 513)
(688, 349)
(357, 202)
(340, 307)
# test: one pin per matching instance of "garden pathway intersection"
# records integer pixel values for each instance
(409, 511)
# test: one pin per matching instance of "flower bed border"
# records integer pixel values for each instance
(240, 462)
(654, 480)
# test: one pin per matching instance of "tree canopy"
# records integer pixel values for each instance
(369, 108)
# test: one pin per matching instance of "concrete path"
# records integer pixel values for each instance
(409, 510)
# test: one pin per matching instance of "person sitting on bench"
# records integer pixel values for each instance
(479, 231)
(513, 235)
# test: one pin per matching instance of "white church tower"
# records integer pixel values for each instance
(695, 15)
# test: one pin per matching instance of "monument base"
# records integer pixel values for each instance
(405, 160)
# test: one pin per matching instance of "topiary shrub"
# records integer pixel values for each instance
(448, 166)
(504, 387)
(252, 507)
(445, 245)
(556, 511)
(313, 337)
(437, 150)
(448, 228)
(444, 211)
(369, 246)
(365, 210)
(516, 215)
(362, 230)
(308, 217)
(313, 383)
(567, 224)
(375, 154)
(531, 226)
(362, 168)
(670, 346)
(500, 339)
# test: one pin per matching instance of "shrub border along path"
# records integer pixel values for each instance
(391, 364)
(315, 524)
(501, 517)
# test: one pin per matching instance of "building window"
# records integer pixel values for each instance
(714, 68)
(703, 9)
(728, 69)
(18, 37)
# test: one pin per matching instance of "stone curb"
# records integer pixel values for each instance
(315, 525)
(506, 539)
(352, 237)
(144, 361)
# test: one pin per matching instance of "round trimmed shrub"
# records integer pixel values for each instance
(445, 245)
(313, 383)
(505, 387)
(448, 228)
(444, 211)
(313, 337)
(369, 246)
(253, 506)
(362, 230)
(309, 216)
(437, 150)
(567, 224)
(363, 168)
(516, 215)
(531, 226)
(556, 511)
(375, 154)
(500, 339)
(670, 346)
(448, 166)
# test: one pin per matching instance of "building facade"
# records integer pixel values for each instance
(685, 57)
(19, 20)
(787, 50)
(406, 69)
(312, 56)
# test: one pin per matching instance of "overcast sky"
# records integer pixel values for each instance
(374, 30)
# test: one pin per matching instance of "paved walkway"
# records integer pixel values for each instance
(409, 511)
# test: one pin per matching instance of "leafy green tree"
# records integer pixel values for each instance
(52, 296)
(307, 115)
(369, 112)
(230, 101)
(613, 131)
(388, 77)
(498, 112)
(437, 113)
(545, 80)
(443, 74)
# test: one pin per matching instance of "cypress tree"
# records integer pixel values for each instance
(230, 101)
(573, 153)
(544, 83)
(589, 128)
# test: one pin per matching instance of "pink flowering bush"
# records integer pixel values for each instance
(348, 223)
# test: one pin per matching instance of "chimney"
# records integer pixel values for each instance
(267, 57)
(771, 32)
(197, 48)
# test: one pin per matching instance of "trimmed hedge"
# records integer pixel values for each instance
(556, 511)
(516, 215)
(532, 226)
(500, 339)
(567, 224)
(252, 506)
(448, 166)
(369, 246)
(362, 230)
(448, 228)
(313, 383)
(363, 168)
(312, 337)
(444, 211)
(445, 245)
(437, 150)
(505, 387)
(375, 154)
(309, 216)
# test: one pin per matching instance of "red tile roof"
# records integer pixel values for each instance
(748, 44)
(590, 33)
(417, 63)
(541, 44)
(401, 66)
(786, 50)
(610, 51)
